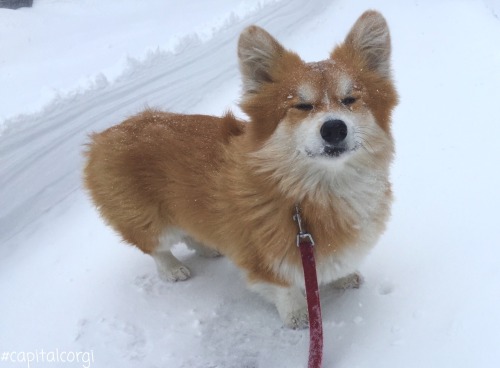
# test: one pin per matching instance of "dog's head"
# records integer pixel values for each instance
(322, 114)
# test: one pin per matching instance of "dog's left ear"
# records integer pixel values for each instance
(369, 37)
(258, 53)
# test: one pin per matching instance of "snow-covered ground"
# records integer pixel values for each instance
(432, 291)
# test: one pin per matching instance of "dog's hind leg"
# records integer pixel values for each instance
(200, 248)
(169, 268)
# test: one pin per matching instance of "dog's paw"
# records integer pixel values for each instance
(207, 252)
(297, 319)
(352, 281)
(201, 249)
(170, 268)
(176, 273)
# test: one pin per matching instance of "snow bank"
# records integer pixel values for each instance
(57, 46)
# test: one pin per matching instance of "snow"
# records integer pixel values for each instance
(55, 38)
(432, 285)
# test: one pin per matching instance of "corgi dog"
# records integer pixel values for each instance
(318, 137)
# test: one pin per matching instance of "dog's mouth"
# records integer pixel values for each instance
(333, 151)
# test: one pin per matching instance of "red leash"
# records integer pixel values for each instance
(305, 243)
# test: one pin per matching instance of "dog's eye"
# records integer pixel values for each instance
(304, 107)
(348, 101)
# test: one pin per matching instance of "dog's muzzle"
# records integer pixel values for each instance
(334, 132)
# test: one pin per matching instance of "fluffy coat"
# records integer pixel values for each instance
(227, 186)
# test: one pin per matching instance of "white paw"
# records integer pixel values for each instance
(176, 273)
(201, 249)
(207, 252)
(289, 301)
(170, 268)
(297, 319)
(352, 281)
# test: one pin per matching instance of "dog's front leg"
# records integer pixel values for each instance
(289, 301)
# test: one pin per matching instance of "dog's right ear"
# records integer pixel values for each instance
(258, 53)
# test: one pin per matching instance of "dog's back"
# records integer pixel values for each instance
(146, 169)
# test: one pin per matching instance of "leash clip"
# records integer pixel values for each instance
(302, 236)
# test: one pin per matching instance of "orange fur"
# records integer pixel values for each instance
(211, 178)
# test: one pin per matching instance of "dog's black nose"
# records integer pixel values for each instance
(334, 131)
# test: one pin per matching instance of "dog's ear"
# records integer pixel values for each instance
(369, 38)
(258, 53)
